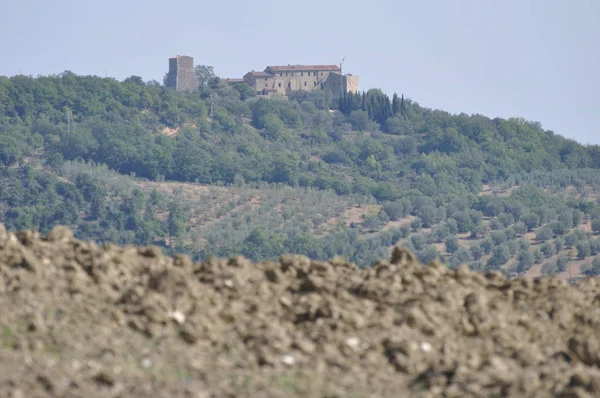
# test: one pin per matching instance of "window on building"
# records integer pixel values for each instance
(304, 84)
(315, 84)
(279, 84)
(281, 74)
(286, 73)
(266, 85)
(301, 73)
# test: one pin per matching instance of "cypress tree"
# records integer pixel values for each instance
(353, 103)
(395, 105)
(363, 105)
(371, 107)
(402, 107)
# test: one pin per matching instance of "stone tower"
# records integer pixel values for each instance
(181, 75)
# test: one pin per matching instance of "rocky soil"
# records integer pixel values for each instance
(82, 320)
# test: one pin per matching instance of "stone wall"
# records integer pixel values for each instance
(259, 81)
(181, 75)
(351, 83)
(337, 83)
(284, 81)
(287, 82)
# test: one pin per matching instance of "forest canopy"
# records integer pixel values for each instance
(423, 165)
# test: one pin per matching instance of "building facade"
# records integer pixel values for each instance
(181, 74)
(283, 80)
(274, 80)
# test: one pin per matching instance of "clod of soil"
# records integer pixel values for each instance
(82, 320)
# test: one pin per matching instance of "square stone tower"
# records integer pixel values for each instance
(181, 75)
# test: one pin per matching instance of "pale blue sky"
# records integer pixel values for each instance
(539, 59)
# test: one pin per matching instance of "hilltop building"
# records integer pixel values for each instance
(274, 80)
(181, 74)
(282, 80)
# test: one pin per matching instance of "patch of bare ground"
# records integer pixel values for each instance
(441, 248)
(587, 192)
(170, 186)
(354, 215)
(500, 191)
(573, 269)
(530, 236)
(398, 223)
(586, 227)
(170, 131)
(486, 189)
(535, 271)
(349, 216)
(255, 202)
(83, 320)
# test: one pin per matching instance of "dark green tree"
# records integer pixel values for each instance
(204, 74)
(525, 261)
(452, 244)
(176, 222)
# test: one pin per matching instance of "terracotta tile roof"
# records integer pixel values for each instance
(303, 68)
(259, 74)
(234, 80)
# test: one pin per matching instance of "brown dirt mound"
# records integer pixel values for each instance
(80, 320)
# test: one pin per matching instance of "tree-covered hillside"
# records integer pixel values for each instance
(423, 173)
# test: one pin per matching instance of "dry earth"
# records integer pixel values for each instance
(82, 320)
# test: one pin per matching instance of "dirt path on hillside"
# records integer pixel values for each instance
(80, 320)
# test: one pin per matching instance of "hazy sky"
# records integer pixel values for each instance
(539, 59)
